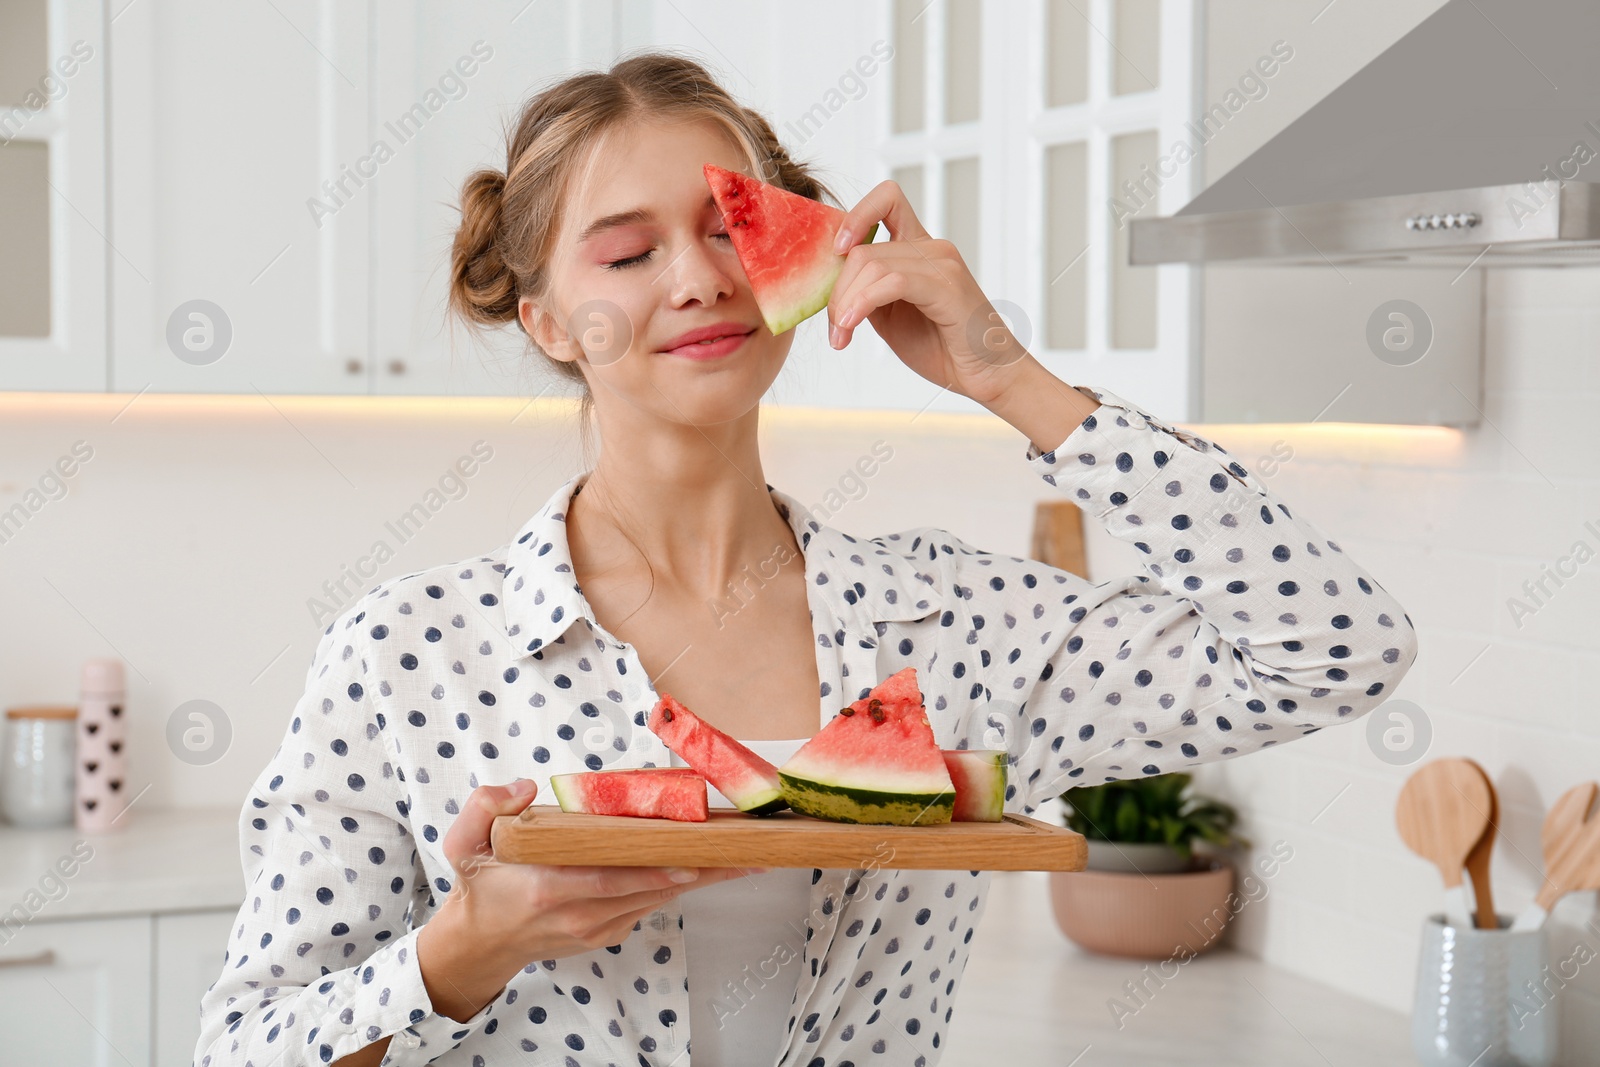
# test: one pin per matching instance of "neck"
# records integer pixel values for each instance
(692, 500)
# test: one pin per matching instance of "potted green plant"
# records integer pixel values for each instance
(1147, 892)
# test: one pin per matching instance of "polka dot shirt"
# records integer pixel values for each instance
(1251, 629)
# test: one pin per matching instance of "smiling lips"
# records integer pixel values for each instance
(709, 342)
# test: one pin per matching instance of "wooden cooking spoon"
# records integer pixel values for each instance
(1571, 840)
(1442, 814)
(1483, 916)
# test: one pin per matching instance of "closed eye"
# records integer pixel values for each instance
(623, 264)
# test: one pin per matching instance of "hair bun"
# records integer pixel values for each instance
(482, 286)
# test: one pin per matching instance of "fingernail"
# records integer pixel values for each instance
(757, 870)
(835, 336)
(842, 242)
(682, 874)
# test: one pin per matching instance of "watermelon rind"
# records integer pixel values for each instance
(839, 803)
(566, 792)
(980, 780)
(812, 291)
(776, 804)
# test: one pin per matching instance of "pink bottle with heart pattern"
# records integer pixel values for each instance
(102, 758)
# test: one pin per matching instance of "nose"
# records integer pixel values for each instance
(699, 272)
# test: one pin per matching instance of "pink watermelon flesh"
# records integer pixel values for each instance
(784, 242)
(748, 781)
(979, 776)
(675, 793)
(875, 762)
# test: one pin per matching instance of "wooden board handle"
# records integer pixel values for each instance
(1058, 536)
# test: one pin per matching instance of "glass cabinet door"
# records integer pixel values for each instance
(1030, 133)
(54, 236)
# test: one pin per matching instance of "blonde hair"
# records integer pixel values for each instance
(510, 218)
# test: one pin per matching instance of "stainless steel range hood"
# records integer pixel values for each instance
(1468, 141)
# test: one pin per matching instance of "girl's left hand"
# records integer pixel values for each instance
(922, 300)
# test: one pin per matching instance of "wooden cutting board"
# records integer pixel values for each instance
(543, 833)
(1058, 536)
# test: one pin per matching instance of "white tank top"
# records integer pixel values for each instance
(743, 938)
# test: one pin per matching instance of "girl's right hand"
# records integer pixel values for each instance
(503, 916)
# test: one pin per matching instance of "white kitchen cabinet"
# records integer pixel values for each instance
(778, 65)
(1066, 99)
(283, 181)
(296, 167)
(77, 992)
(1294, 344)
(965, 104)
(189, 950)
(447, 84)
(53, 235)
(1030, 133)
(829, 84)
(237, 138)
(1291, 345)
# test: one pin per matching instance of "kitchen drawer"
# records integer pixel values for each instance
(76, 992)
(188, 957)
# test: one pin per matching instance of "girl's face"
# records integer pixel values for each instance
(643, 259)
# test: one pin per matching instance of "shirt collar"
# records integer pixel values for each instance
(862, 582)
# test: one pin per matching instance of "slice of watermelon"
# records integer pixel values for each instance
(676, 793)
(785, 243)
(980, 780)
(875, 762)
(747, 780)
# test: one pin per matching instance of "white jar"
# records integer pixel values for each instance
(39, 752)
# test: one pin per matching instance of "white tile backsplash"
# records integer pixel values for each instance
(1453, 534)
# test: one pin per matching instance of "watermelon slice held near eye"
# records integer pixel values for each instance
(784, 242)
(646, 792)
(747, 780)
(875, 762)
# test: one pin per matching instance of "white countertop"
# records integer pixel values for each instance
(1030, 996)
(164, 860)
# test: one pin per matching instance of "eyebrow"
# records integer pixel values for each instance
(628, 218)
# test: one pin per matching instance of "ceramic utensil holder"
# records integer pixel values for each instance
(1483, 997)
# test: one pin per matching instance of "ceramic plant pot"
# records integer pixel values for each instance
(1144, 913)
(1149, 858)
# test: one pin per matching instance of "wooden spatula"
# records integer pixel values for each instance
(1571, 840)
(1483, 916)
(1442, 813)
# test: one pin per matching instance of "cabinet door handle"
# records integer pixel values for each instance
(38, 959)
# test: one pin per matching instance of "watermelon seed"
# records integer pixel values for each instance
(847, 712)
(666, 713)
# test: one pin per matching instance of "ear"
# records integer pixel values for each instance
(546, 330)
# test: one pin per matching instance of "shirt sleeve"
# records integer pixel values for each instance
(1251, 628)
(322, 960)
